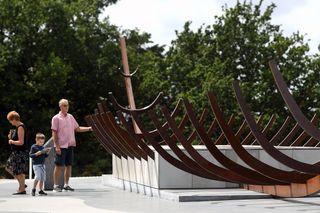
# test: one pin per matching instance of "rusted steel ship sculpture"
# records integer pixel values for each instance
(119, 137)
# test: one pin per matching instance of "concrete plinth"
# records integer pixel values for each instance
(147, 177)
(49, 163)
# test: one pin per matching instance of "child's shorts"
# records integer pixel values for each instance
(40, 172)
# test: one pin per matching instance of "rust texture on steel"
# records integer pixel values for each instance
(139, 133)
(305, 124)
(127, 78)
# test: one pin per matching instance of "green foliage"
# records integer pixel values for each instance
(59, 49)
(238, 46)
(53, 49)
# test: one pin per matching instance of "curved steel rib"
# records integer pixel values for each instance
(275, 153)
(159, 148)
(220, 157)
(298, 141)
(123, 137)
(267, 127)
(120, 134)
(190, 166)
(124, 142)
(287, 141)
(100, 119)
(117, 106)
(221, 138)
(229, 175)
(292, 105)
(241, 129)
(193, 134)
(104, 138)
(197, 165)
(96, 132)
(281, 131)
(261, 167)
(249, 136)
(157, 100)
(137, 139)
(311, 142)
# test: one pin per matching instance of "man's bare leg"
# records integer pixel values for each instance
(56, 177)
(67, 174)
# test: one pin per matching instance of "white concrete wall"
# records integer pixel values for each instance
(159, 174)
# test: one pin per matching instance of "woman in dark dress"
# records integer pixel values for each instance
(18, 162)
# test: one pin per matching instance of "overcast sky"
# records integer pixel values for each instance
(162, 17)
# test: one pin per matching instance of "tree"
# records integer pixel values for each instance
(59, 49)
(238, 46)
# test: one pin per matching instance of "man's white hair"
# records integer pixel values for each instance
(63, 101)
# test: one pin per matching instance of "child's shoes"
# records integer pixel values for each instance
(33, 192)
(42, 193)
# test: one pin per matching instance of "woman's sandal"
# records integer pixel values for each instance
(20, 193)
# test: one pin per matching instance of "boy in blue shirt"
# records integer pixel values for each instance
(38, 154)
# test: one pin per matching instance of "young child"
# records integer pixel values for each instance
(38, 154)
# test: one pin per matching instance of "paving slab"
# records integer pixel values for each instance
(185, 195)
(91, 196)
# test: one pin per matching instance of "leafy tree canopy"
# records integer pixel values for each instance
(238, 45)
(53, 49)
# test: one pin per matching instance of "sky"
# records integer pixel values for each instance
(161, 18)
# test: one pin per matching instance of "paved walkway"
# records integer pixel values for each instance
(92, 197)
